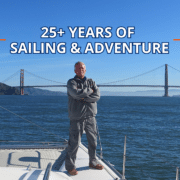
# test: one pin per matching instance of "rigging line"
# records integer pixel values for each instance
(33, 123)
(43, 78)
(174, 68)
(10, 77)
(133, 76)
(42, 142)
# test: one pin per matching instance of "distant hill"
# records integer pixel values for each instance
(41, 92)
(172, 92)
(8, 90)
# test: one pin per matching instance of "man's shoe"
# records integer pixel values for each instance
(73, 172)
(98, 166)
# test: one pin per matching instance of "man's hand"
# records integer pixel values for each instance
(82, 100)
(92, 87)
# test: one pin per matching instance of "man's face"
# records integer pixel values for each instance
(80, 70)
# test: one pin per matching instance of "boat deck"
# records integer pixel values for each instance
(39, 158)
(86, 173)
(35, 156)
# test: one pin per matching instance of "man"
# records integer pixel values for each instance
(82, 97)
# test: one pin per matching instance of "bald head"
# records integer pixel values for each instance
(80, 69)
(79, 62)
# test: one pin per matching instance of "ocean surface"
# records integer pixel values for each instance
(151, 124)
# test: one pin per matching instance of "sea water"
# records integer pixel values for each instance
(151, 124)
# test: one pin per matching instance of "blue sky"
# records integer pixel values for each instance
(154, 21)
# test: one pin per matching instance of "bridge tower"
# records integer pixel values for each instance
(166, 81)
(22, 81)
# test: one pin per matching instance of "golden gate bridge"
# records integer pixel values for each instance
(109, 84)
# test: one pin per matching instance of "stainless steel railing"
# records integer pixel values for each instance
(47, 172)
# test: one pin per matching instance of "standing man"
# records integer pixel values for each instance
(82, 107)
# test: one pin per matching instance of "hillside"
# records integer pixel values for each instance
(8, 90)
(41, 92)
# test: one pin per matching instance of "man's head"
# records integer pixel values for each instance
(80, 69)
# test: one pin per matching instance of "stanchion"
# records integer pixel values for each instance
(124, 159)
(177, 173)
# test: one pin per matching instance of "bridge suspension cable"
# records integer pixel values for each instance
(42, 77)
(174, 68)
(133, 76)
(10, 77)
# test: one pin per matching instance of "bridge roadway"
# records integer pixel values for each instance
(101, 86)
